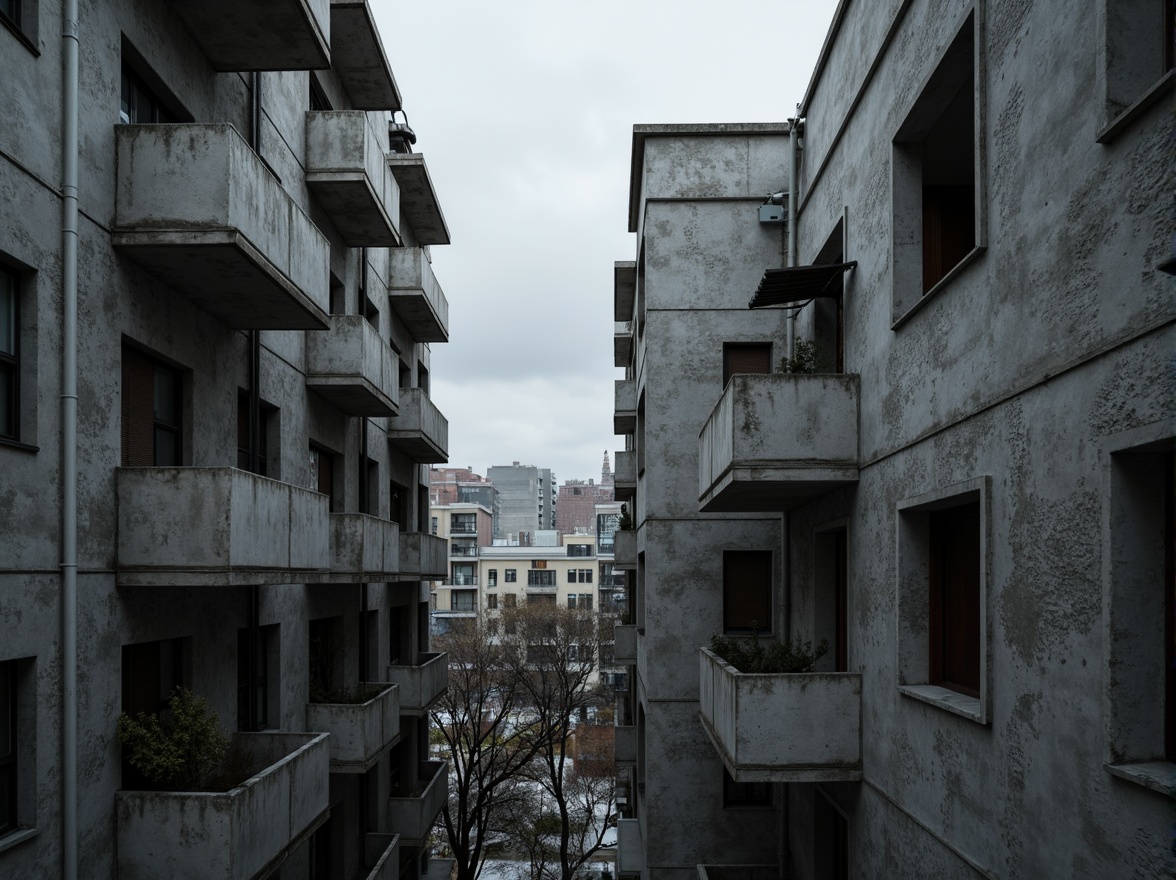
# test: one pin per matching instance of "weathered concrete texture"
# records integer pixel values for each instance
(422, 556)
(802, 727)
(276, 35)
(199, 209)
(382, 855)
(352, 366)
(624, 406)
(778, 440)
(418, 199)
(622, 344)
(415, 295)
(413, 816)
(230, 835)
(357, 55)
(419, 430)
(624, 289)
(359, 732)
(364, 548)
(625, 745)
(625, 644)
(422, 683)
(625, 550)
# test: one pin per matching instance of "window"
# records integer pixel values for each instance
(151, 672)
(9, 355)
(540, 578)
(152, 403)
(267, 425)
(462, 600)
(322, 473)
(433, 526)
(10, 9)
(511, 600)
(492, 577)
(830, 840)
(942, 595)
(18, 743)
(257, 685)
(318, 98)
(571, 575)
(746, 357)
(9, 772)
(747, 591)
(510, 576)
(586, 601)
(579, 549)
(585, 575)
(140, 104)
(1137, 48)
(20, 17)
(937, 222)
(463, 524)
(745, 794)
(831, 595)
(492, 600)
(538, 563)
(325, 652)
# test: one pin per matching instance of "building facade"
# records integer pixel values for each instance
(466, 528)
(575, 504)
(526, 500)
(461, 485)
(243, 455)
(964, 485)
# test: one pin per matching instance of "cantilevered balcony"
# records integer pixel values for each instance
(625, 550)
(624, 290)
(215, 527)
(196, 207)
(260, 34)
(347, 171)
(357, 55)
(630, 848)
(353, 367)
(625, 650)
(412, 815)
(418, 199)
(622, 343)
(415, 295)
(625, 477)
(360, 732)
(381, 856)
(625, 746)
(419, 430)
(776, 441)
(797, 727)
(422, 683)
(422, 557)
(625, 410)
(363, 549)
(234, 834)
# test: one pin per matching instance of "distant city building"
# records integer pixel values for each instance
(462, 486)
(467, 528)
(576, 502)
(526, 499)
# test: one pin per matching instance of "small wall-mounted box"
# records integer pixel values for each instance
(771, 213)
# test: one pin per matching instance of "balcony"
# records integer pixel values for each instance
(230, 835)
(624, 290)
(803, 727)
(353, 367)
(625, 477)
(458, 550)
(363, 549)
(625, 749)
(418, 198)
(630, 848)
(422, 684)
(412, 816)
(357, 55)
(381, 856)
(360, 732)
(622, 344)
(262, 35)
(461, 580)
(197, 208)
(463, 528)
(415, 295)
(347, 172)
(625, 411)
(625, 550)
(216, 527)
(419, 430)
(625, 652)
(776, 441)
(422, 557)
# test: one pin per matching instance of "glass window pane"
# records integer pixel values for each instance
(11, 8)
(6, 719)
(7, 397)
(167, 448)
(165, 396)
(7, 313)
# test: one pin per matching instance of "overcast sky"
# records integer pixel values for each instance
(524, 110)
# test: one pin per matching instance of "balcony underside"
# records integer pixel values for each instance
(357, 54)
(418, 446)
(743, 771)
(766, 488)
(355, 395)
(417, 313)
(357, 212)
(267, 35)
(624, 422)
(220, 271)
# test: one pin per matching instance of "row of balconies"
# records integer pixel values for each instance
(219, 526)
(235, 834)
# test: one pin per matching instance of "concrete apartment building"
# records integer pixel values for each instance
(249, 264)
(526, 500)
(972, 496)
(575, 503)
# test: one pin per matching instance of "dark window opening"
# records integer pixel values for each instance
(318, 98)
(267, 416)
(747, 591)
(326, 660)
(151, 672)
(8, 746)
(830, 841)
(422, 377)
(745, 794)
(9, 354)
(1170, 606)
(152, 404)
(140, 105)
(322, 474)
(954, 580)
(746, 357)
(10, 9)
(949, 188)
(255, 684)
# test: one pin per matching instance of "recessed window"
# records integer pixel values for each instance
(18, 745)
(152, 411)
(267, 428)
(746, 357)
(9, 354)
(747, 591)
(151, 672)
(140, 105)
(9, 760)
(322, 473)
(492, 601)
(20, 17)
(492, 577)
(954, 593)
(1137, 50)
(537, 578)
(257, 680)
(510, 576)
(745, 794)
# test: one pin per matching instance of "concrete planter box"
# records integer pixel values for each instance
(228, 835)
(357, 54)
(773, 442)
(630, 847)
(625, 748)
(382, 856)
(353, 367)
(622, 343)
(347, 171)
(422, 684)
(185, 526)
(624, 289)
(439, 869)
(625, 408)
(261, 35)
(625, 550)
(423, 557)
(625, 477)
(415, 295)
(195, 206)
(412, 817)
(419, 430)
(363, 548)
(625, 642)
(360, 732)
(803, 727)
(419, 198)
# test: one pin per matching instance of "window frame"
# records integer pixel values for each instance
(510, 576)
(728, 562)
(914, 585)
(23, 25)
(732, 349)
(10, 363)
(22, 787)
(1123, 103)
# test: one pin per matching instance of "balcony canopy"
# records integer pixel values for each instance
(797, 284)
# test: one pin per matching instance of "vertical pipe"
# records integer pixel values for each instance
(69, 442)
(793, 196)
(253, 635)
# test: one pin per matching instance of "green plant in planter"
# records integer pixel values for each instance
(803, 360)
(181, 749)
(626, 522)
(773, 657)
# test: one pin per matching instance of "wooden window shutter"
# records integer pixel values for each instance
(746, 358)
(747, 591)
(138, 409)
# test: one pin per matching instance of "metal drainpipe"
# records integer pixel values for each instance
(69, 443)
(363, 486)
(253, 639)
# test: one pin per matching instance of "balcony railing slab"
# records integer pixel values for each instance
(419, 430)
(421, 683)
(625, 550)
(622, 344)
(381, 856)
(363, 549)
(415, 295)
(422, 557)
(624, 290)
(625, 476)
(360, 732)
(353, 367)
(421, 206)
(625, 409)
(413, 816)
(625, 650)
(630, 848)
(625, 749)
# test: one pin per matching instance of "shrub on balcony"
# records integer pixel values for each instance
(803, 360)
(181, 748)
(773, 657)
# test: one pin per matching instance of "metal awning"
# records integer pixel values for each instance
(798, 283)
